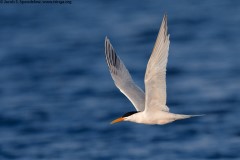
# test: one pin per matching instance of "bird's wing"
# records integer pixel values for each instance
(122, 78)
(155, 76)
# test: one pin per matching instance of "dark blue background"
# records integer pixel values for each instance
(57, 97)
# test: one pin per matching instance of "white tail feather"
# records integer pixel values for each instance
(182, 116)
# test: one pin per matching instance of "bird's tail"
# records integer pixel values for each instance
(183, 116)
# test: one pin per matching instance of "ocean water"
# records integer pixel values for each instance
(57, 97)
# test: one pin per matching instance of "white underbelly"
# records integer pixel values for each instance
(158, 118)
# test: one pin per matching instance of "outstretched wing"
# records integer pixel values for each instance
(122, 78)
(155, 76)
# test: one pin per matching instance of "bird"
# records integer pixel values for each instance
(150, 106)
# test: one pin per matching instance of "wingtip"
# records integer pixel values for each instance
(106, 38)
(164, 23)
(107, 41)
(165, 15)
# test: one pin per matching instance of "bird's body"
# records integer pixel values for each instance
(157, 117)
(151, 106)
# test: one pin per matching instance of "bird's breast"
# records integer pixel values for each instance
(158, 118)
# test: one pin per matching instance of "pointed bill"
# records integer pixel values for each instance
(117, 120)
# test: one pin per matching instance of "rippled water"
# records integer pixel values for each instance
(57, 97)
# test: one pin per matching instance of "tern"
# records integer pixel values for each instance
(150, 106)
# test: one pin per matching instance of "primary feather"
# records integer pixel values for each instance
(122, 78)
(155, 76)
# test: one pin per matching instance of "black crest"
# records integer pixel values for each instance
(129, 113)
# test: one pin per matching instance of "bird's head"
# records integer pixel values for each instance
(126, 117)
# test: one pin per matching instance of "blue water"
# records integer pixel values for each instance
(57, 97)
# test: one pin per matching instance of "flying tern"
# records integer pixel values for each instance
(150, 106)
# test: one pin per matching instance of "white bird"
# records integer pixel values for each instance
(150, 107)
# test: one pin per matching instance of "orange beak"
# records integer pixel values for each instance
(117, 120)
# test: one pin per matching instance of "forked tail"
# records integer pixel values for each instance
(183, 116)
